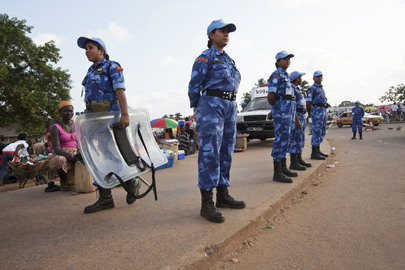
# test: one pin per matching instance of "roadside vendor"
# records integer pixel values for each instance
(63, 137)
(11, 151)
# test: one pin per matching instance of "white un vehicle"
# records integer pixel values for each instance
(253, 120)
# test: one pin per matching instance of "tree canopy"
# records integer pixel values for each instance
(394, 94)
(30, 86)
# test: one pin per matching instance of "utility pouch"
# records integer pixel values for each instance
(101, 106)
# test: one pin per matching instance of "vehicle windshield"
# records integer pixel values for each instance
(258, 104)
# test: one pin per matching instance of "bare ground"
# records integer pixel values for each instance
(349, 217)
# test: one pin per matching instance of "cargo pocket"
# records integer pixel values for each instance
(206, 141)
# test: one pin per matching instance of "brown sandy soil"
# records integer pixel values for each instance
(349, 217)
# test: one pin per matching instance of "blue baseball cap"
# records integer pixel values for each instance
(243, 103)
(318, 73)
(217, 24)
(283, 54)
(295, 74)
(357, 102)
(81, 42)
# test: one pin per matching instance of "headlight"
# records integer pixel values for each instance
(239, 118)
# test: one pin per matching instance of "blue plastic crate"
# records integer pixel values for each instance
(181, 154)
(167, 165)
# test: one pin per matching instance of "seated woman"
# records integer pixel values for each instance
(63, 137)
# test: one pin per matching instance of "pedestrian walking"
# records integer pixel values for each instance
(316, 108)
(104, 87)
(212, 92)
(298, 142)
(357, 120)
(403, 111)
(394, 109)
(281, 97)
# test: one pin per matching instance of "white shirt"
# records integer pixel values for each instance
(12, 146)
(394, 107)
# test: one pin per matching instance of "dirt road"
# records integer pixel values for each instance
(352, 217)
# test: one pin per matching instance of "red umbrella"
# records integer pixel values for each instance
(385, 107)
(163, 123)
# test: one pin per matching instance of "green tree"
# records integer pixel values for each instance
(394, 94)
(246, 97)
(30, 86)
(178, 116)
(346, 103)
(260, 81)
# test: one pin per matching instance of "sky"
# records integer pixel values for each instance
(359, 45)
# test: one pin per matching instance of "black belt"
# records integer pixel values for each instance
(221, 94)
(301, 110)
(321, 105)
(285, 97)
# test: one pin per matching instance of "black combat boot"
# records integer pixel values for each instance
(294, 164)
(361, 135)
(134, 185)
(208, 209)
(322, 154)
(315, 154)
(105, 201)
(285, 170)
(279, 175)
(226, 200)
(354, 136)
(302, 162)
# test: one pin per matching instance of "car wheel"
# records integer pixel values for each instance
(339, 125)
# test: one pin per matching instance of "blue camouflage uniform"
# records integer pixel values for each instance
(102, 81)
(100, 84)
(298, 141)
(316, 96)
(283, 112)
(215, 116)
(357, 122)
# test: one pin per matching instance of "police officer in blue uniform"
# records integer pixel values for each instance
(281, 96)
(297, 163)
(105, 91)
(316, 108)
(357, 122)
(212, 92)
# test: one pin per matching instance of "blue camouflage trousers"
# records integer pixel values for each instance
(357, 124)
(298, 141)
(318, 115)
(216, 128)
(284, 119)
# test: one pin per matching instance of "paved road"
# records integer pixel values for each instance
(352, 217)
(41, 230)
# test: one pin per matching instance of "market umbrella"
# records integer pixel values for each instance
(370, 108)
(163, 123)
(182, 122)
(386, 107)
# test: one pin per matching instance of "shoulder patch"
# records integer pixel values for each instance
(119, 68)
(202, 59)
(276, 75)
